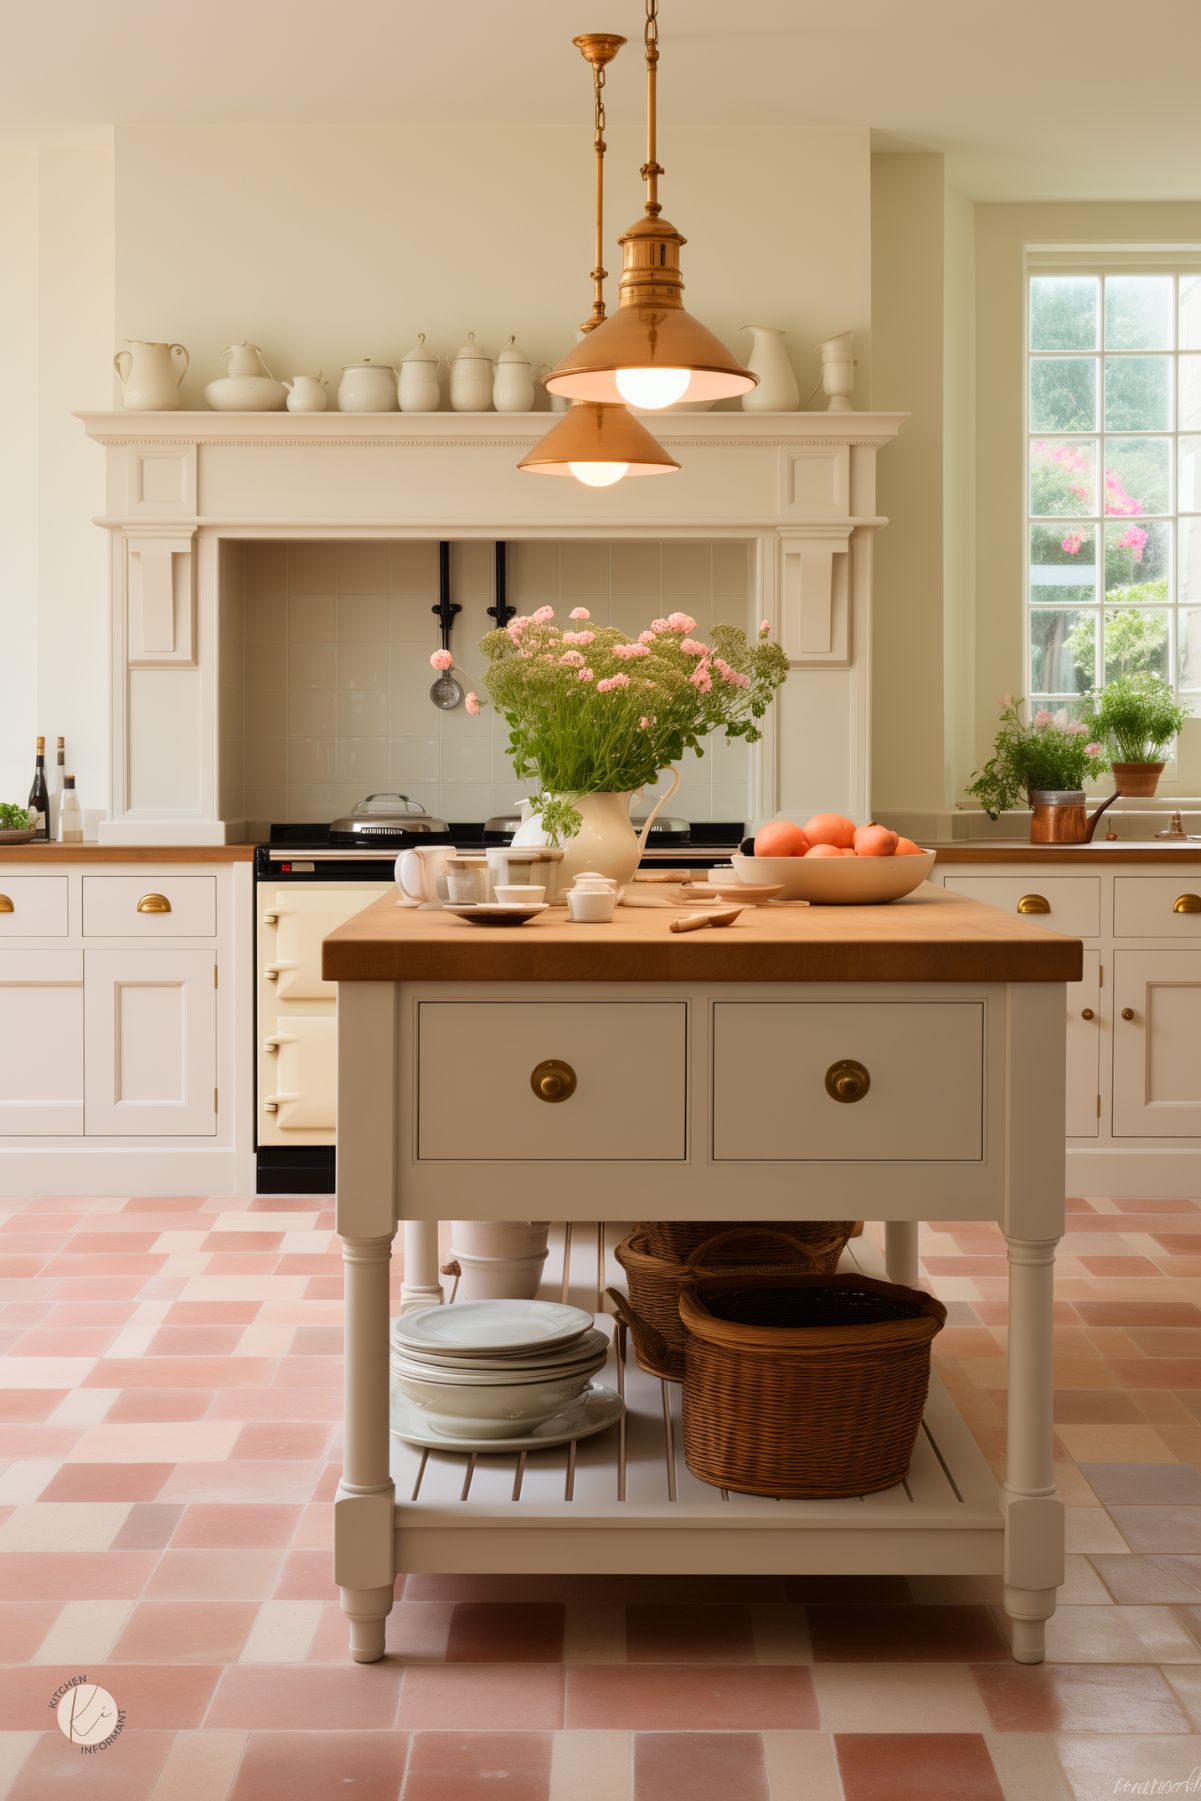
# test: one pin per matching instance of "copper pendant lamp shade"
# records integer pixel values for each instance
(588, 435)
(651, 351)
(598, 444)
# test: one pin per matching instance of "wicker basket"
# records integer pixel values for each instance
(678, 1238)
(804, 1386)
(652, 1312)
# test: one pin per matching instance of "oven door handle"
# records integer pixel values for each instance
(272, 971)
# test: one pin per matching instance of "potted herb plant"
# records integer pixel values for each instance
(1045, 762)
(1136, 717)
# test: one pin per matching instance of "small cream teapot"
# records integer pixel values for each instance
(306, 393)
(471, 379)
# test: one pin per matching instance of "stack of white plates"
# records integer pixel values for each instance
(485, 1370)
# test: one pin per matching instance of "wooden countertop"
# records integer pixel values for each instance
(1013, 850)
(56, 856)
(932, 936)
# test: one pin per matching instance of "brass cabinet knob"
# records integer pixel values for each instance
(6, 905)
(154, 903)
(1087, 1013)
(847, 1080)
(1187, 903)
(1034, 903)
(1127, 1012)
(553, 1080)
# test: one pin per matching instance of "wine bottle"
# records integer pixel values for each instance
(56, 789)
(39, 799)
(70, 818)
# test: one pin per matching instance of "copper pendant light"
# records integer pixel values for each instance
(651, 352)
(598, 443)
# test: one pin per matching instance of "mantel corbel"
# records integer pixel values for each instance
(812, 582)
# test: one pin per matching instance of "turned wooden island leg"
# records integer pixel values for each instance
(420, 1286)
(1033, 1511)
(364, 1509)
(900, 1251)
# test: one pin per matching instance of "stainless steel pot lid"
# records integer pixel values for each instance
(665, 826)
(383, 815)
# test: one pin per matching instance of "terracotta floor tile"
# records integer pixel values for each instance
(1115, 1444)
(919, 1634)
(74, 1575)
(205, 1632)
(165, 1404)
(1095, 1406)
(65, 1341)
(503, 1632)
(127, 1771)
(1151, 1485)
(242, 1525)
(900, 1766)
(474, 1766)
(1078, 1698)
(293, 1698)
(1159, 1577)
(315, 1766)
(875, 1590)
(179, 1372)
(1160, 1528)
(194, 1341)
(284, 1439)
(151, 1695)
(646, 1697)
(1119, 1266)
(1095, 1766)
(1121, 1635)
(212, 1313)
(306, 1576)
(33, 1404)
(148, 1526)
(107, 1482)
(286, 1481)
(689, 1635)
(217, 1575)
(491, 1696)
(897, 1697)
(699, 1766)
(23, 1626)
(317, 1341)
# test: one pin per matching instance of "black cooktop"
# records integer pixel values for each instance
(705, 842)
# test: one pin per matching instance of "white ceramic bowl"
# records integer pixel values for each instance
(490, 1328)
(839, 881)
(514, 1369)
(493, 1409)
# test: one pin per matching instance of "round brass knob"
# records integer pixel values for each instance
(847, 1080)
(1127, 1012)
(1087, 1013)
(553, 1080)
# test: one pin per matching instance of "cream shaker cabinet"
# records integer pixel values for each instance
(1133, 1113)
(150, 1046)
(41, 1042)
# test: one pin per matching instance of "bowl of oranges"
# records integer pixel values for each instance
(831, 861)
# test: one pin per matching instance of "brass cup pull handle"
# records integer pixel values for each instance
(553, 1080)
(1127, 1012)
(1187, 903)
(1087, 1013)
(154, 903)
(6, 905)
(847, 1080)
(1034, 903)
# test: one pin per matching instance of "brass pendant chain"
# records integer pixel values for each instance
(599, 273)
(651, 168)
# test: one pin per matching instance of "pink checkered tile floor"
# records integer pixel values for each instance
(169, 1407)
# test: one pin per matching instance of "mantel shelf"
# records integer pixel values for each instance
(519, 430)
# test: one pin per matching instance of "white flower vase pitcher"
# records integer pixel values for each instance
(606, 841)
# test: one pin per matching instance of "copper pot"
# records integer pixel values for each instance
(1059, 816)
(1138, 780)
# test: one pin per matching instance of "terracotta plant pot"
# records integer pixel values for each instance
(1137, 780)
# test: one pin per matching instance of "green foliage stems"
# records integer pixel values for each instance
(1050, 752)
(1137, 717)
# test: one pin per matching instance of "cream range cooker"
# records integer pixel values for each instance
(309, 879)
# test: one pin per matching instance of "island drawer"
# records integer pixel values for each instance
(1158, 906)
(816, 1081)
(149, 906)
(1070, 904)
(33, 906)
(616, 1094)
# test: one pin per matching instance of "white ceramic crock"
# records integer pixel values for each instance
(513, 383)
(368, 387)
(417, 387)
(471, 379)
(149, 379)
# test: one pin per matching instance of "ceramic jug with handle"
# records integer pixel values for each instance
(778, 391)
(306, 394)
(606, 843)
(149, 378)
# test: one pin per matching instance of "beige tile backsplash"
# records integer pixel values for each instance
(326, 647)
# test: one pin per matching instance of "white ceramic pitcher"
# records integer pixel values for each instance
(149, 379)
(778, 391)
(606, 841)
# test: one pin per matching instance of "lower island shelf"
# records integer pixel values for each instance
(624, 1501)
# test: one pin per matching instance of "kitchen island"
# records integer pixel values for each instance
(698, 1069)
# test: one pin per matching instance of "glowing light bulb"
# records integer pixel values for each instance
(599, 475)
(652, 388)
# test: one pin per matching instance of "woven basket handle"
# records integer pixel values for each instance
(653, 1340)
(809, 1253)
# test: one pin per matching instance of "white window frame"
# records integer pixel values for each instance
(1101, 261)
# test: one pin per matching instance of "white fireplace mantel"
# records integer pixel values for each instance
(801, 486)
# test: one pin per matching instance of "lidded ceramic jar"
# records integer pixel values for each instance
(513, 383)
(418, 384)
(471, 379)
(367, 387)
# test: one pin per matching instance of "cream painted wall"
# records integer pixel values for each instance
(958, 489)
(1002, 234)
(327, 243)
(18, 474)
(908, 222)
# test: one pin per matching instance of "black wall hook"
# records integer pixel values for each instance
(501, 612)
(446, 608)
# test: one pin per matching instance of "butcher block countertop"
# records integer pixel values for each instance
(1017, 850)
(56, 856)
(932, 936)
